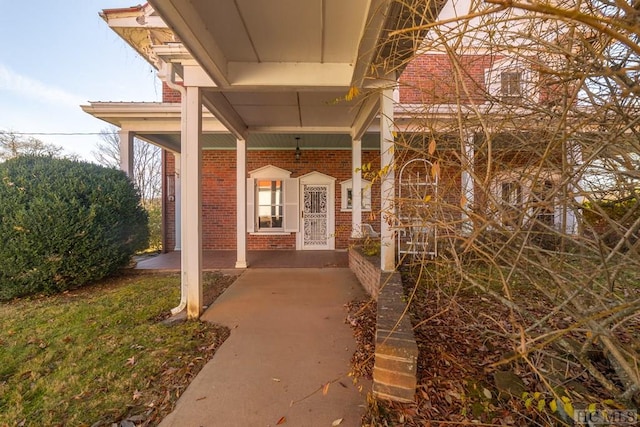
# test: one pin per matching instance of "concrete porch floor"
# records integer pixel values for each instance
(224, 259)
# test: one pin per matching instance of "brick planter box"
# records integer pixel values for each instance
(396, 353)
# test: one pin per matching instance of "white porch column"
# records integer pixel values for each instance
(191, 169)
(126, 151)
(468, 195)
(241, 203)
(356, 189)
(178, 201)
(573, 200)
(387, 242)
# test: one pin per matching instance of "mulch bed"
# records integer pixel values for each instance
(462, 379)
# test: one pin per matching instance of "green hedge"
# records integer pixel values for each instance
(64, 224)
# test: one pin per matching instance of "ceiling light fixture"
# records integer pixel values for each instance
(298, 151)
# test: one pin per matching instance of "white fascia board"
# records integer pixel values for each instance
(373, 28)
(132, 22)
(218, 104)
(172, 52)
(300, 130)
(290, 74)
(367, 113)
(158, 117)
(194, 75)
(183, 18)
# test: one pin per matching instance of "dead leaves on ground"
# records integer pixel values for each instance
(362, 318)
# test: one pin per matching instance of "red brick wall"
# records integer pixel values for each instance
(169, 95)
(170, 206)
(219, 194)
(431, 79)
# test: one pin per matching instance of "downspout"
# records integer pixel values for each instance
(168, 75)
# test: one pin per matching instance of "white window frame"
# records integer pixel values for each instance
(527, 194)
(347, 185)
(528, 80)
(290, 190)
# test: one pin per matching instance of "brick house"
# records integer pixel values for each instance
(275, 159)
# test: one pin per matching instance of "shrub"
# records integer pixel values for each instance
(64, 223)
(611, 219)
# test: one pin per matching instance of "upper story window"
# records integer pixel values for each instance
(511, 84)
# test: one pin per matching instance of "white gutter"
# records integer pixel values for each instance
(168, 75)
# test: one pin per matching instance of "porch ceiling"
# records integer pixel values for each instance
(286, 65)
(159, 124)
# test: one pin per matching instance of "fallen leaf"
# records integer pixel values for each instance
(337, 422)
(137, 395)
(325, 389)
(131, 361)
(432, 147)
(282, 420)
(487, 393)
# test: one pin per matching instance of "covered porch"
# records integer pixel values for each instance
(226, 259)
(325, 68)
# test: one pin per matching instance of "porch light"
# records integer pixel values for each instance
(298, 151)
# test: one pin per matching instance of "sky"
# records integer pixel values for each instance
(58, 55)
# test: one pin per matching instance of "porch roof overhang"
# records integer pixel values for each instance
(287, 66)
(160, 124)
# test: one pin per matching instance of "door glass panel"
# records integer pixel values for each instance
(315, 215)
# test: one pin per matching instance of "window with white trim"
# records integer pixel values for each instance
(270, 204)
(510, 81)
(272, 201)
(511, 196)
(511, 84)
(524, 198)
(346, 189)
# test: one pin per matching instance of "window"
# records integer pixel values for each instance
(511, 81)
(347, 195)
(511, 85)
(511, 194)
(543, 203)
(272, 201)
(526, 198)
(270, 204)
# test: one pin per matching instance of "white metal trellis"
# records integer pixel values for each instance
(416, 228)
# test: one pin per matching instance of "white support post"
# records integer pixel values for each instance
(573, 199)
(356, 189)
(126, 151)
(241, 203)
(468, 194)
(191, 168)
(178, 201)
(388, 190)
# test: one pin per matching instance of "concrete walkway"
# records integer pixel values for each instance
(288, 339)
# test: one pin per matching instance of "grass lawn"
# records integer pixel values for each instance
(99, 354)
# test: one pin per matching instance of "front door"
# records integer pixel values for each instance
(315, 216)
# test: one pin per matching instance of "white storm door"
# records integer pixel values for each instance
(315, 216)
